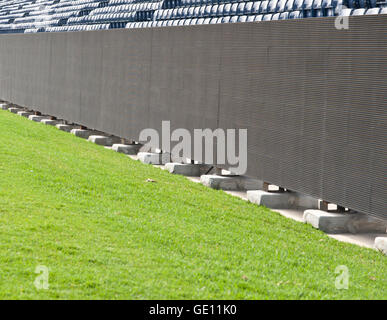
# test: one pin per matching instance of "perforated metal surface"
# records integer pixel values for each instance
(313, 98)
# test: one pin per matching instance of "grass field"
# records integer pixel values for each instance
(104, 232)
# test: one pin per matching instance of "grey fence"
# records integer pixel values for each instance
(312, 97)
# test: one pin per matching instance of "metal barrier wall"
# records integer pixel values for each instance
(312, 97)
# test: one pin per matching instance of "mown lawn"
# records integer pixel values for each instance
(104, 232)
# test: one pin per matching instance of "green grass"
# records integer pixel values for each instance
(89, 215)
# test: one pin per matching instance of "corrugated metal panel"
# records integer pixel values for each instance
(312, 97)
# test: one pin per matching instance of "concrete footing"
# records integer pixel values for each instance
(82, 133)
(348, 222)
(130, 149)
(65, 127)
(381, 244)
(154, 158)
(14, 109)
(240, 183)
(25, 114)
(36, 118)
(187, 169)
(103, 140)
(50, 122)
(282, 200)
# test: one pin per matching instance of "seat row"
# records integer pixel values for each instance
(147, 6)
(362, 11)
(217, 20)
(248, 8)
(89, 27)
(103, 18)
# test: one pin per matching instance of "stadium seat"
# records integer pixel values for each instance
(242, 19)
(307, 8)
(298, 5)
(234, 19)
(248, 8)
(256, 7)
(284, 15)
(234, 8)
(372, 11)
(263, 7)
(226, 19)
(272, 6)
(358, 12)
(241, 8)
(296, 15)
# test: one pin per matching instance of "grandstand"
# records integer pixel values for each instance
(32, 16)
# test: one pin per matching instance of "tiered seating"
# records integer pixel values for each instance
(31, 16)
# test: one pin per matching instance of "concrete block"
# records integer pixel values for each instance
(154, 158)
(36, 118)
(185, 169)
(14, 109)
(25, 114)
(381, 244)
(103, 140)
(282, 200)
(240, 183)
(130, 149)
(348, 222)
(65, 127)
(4, 106)
(50, 122)
(82, 133)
